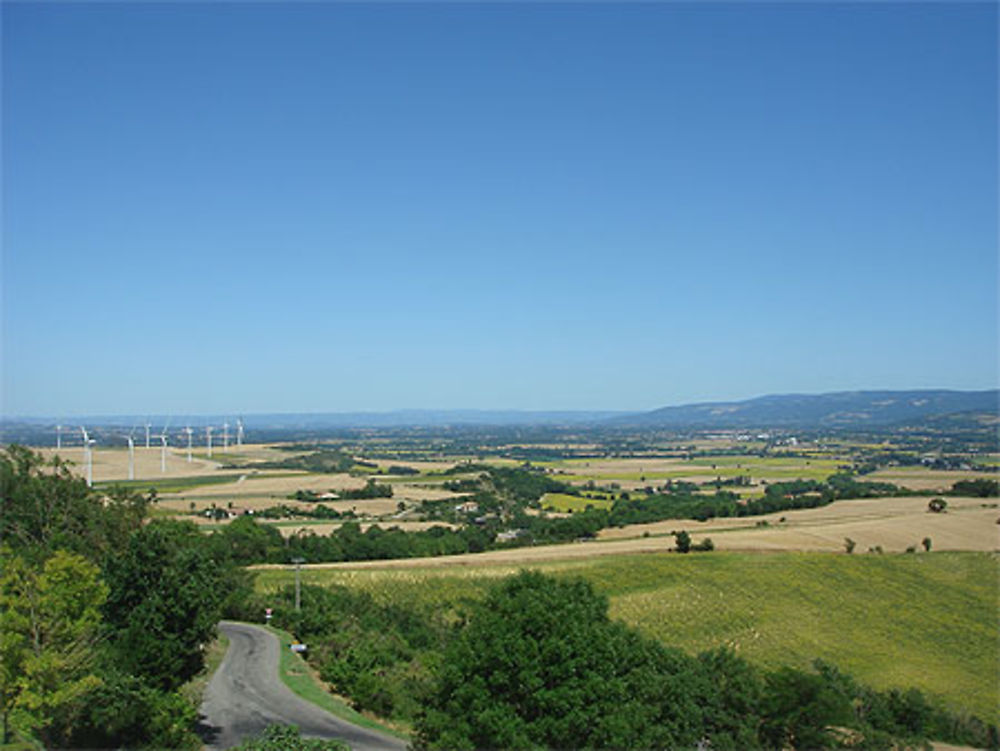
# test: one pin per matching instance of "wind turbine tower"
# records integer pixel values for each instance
(189, 432)
(208, 440)
(58, 436)
(148, 426)
(131, 457)
(225, 436)
(239, 432)
(163, 452)
(88, 456)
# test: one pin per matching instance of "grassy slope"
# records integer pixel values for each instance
(563, 502)
(295, 674)
(924, 621)
(171, 484)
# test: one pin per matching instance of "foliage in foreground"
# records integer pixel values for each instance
(288, 738)
(102, 617)
(49, 621)
(540, 664)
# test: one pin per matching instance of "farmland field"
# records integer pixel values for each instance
(562, 502)
(638, 472)
(926, 620)
(921, 478)
(893, 523)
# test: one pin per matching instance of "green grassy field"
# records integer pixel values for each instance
(171, 484)
(563, 503)
(923, 621)
(764, 463)
(778, 467)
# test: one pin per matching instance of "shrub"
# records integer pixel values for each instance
(683, 541)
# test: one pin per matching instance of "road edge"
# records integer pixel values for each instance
(303, 679)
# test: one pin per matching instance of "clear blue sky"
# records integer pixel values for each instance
(236, 208)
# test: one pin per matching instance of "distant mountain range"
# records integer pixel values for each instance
(845, 409)
(842, 410)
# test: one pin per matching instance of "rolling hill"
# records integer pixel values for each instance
(847, 409)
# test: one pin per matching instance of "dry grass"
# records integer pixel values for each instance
(420, 466)
(620, 466)
(894, 524)
(513, 557)
(111, 464)
(919, 478)
(417, 493)
(288, 530)
(367, 507)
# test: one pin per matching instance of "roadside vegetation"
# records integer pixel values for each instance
(103, 616)
(106, 612)
(920, 621)
(288, 738)
(532, 660)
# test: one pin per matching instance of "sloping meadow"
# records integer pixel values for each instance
(925, 621)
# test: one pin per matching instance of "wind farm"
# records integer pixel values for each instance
(104, 454)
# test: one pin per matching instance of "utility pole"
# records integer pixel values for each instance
(298, 590)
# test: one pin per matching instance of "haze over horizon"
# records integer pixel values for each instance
(249, 208)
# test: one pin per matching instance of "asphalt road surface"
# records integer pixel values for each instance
(246, 695)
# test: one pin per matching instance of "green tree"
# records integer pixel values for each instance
(49, 623)
(243, 541)
(165, 599)
(541, 665)
(46, 508)
(683, 541)
(799, 710)
(732, 708)
(926, 542)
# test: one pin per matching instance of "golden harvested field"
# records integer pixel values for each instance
(919, 478)
(270, 488)
(111, 464)
(366, 507)
(894, 523)
(287, 530)
(422, 466)
(619, 466)
(282, 483)
(417, 493)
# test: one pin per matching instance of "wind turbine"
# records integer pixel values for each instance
(225, 436)
(239, 432)
(131, 456)
(163, 451)
(148, 426)
(189, 432)
(208, 439)
(88, 455)
(58, 436)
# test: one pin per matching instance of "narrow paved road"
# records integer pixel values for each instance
(246, 695)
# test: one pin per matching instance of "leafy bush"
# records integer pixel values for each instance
(541, 665)
(980, 488)
(288, 738)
